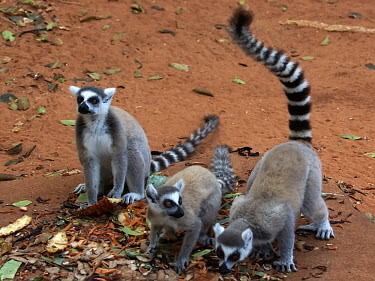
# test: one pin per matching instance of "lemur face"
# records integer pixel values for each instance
(166, 199)
(93, 100)
(232, 246)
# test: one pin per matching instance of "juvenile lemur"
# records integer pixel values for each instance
(112, 146)
(286, 181)
(189, 201)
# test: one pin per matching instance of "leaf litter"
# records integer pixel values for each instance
(110, 244)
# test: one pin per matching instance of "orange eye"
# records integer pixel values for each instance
(167, 204)
(234, 257)
(95, 101)
(180, 201)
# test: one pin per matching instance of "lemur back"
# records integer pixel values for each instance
(286, 181)
(112, 146)
(189, 201)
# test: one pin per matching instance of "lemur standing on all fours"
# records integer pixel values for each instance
(286, 181)
(189, 201)
(112, 146)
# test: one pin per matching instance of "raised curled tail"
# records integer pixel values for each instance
(180, 152)
(222, 168)
(295, 85)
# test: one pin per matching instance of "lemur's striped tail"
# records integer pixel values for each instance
(295, 85)
(181, 151)
(222, 168)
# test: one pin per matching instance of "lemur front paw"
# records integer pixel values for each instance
(180, 265)
(284, 266)
(131, 197)
(151, 252)
(323, 229)
(80, 188)
(114, 193)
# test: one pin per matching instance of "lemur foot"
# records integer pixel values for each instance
(151, 252)
(114, 193)
(265, 252)
(284, 266)
(207, 241)
(180, 265)
(80, 188)
(170, 236)
(131, 197)
(323, 229)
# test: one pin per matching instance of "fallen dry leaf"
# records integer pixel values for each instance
(15, 226)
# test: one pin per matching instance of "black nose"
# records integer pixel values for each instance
(223, 269)
(178, 214)
(83, 108)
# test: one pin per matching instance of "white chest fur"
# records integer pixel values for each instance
(97, 140)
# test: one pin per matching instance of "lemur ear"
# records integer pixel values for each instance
(218, 229)
(151, 193)
(180, 185)
(109, 92)
(247, 237)
(74, 90)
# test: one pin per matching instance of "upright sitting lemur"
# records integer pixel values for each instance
(286, 181)
(189, 201)
(112, 146)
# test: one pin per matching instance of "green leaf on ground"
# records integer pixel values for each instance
(371, 154)
(179, 11)
(107, 26)
(9, 269)
(232, 195)
(10, 81)
(22, 203)
(82, 198)
(156, 179)
(68, 122)
(54, 65)
(13, 161)
(325, 41)
(41, 110)
(371, 217)
(8, 35)
(94, 75)
(137, 74)
(51, 25)
(238, 81)
(201, 253)
(130, 231)
(307, 58)
(112, 71)
(203, 91)
(118, 36)
(102, 17)
(370, 66)
(156, 77)
(179, 66)
(283, 7)
(350, 137)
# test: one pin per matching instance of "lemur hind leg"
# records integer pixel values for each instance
(135, 177)
(315, 209)
(119, 165)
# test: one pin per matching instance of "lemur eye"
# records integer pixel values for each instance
(167, 204)
(79, 99)
(180, 201)
(94, 100)
(234, 257)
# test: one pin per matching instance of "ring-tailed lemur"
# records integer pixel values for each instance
(189, 201)
(112, 146)
(286, 181)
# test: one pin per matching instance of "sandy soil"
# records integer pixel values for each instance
(253, 114)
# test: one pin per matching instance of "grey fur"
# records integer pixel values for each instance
(286, 181)
(201, 199)
(112, 146)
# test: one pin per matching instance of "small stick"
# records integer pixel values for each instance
(328, 27)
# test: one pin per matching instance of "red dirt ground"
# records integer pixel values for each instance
(253, 114)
